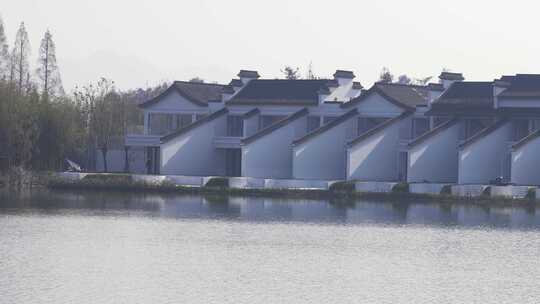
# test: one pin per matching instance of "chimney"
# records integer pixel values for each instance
(448, 78)
(344, 77)
(499, 85)
(247, 76)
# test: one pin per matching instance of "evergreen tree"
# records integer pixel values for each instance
(4, 53)
(47, 72)
(19, 59)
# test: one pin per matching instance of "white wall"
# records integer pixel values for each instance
(526, 164)
(324, 156)
(376, 105)
(271, 155)
(436, 159)
(482, 161)
(173, 102)
(376, 157)
(193, 153)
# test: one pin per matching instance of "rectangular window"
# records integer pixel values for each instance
(535, 125)
(200, 116)
(420, 126)
(235, 126)
(521, 129)
(183, 120)
(268, 120)
(367, 123)
(160, 123)
(473, 126)
(313, 123)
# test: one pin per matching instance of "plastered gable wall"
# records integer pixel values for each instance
(174, 102)
(271, 155)
(526, 164)
(376, 105)
(436, 159)
(376, 157)
(193, 153)
(482, 161)
(324, 156)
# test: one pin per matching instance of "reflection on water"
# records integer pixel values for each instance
(259, 209)
(108, 248)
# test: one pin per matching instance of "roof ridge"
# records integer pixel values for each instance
(199, 83)
(401, 84)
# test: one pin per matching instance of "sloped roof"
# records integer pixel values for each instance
(521, 86)
(326, 127)
(429, 134)
(526, 140)
(280, 92)
(464, 98)
(198, 93)
(194, 125)
(402, 95)
(483, 133)
(378, 128)
(281, 123)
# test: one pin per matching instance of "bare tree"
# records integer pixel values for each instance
(101, 102)
(47, 70)
(19, 55)
(310, 74)
(386, 76)
(291, 73)
(423, 81)
(4, 53)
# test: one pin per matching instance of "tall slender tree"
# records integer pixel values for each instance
(4, 53)
(20, 67)
(47, 71)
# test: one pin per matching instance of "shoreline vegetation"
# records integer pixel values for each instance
(219, 186)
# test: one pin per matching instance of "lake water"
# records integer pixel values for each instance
(64, 247)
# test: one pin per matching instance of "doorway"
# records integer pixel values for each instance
(233, 162)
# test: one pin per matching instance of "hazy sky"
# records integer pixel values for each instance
(137, 43)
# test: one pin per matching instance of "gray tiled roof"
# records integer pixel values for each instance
(280, 91)
(521, 86)
(405, 96)
(198, 93)
(464, 98)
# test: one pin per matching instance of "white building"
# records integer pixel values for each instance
(331, 129)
